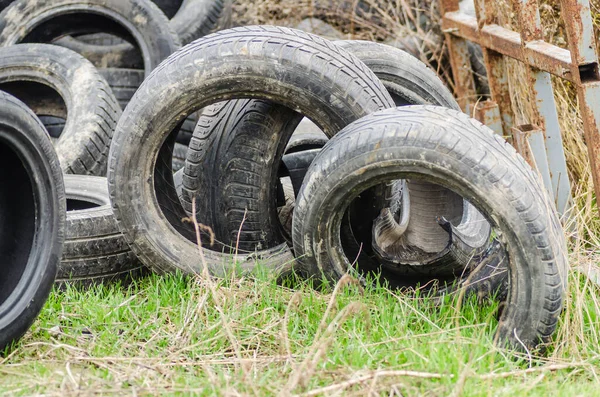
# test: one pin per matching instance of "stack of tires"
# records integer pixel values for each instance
(67, 68)
(306, 155)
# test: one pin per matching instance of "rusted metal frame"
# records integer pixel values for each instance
(496, 71)
(488, 113)
(495, 66)
(541, 55)
(545, 115)
(460, 61)
(581, 41)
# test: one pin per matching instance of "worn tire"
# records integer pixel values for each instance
(150, 213)
(296, 164)
(242, 143)
(449, 148)
(198, 18)
(95, 250)
(408, 80)
(238, 137)
(125, 82)
(32, 215)
(73, 90)
(44, 21)
(193, 19)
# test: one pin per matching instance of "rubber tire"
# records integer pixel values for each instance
(301, 141)
(296, 164)
(32, 214)
(45, 21)
(448, 148)
(194, 19)
(409, 81)
(237, 137)
(95, 250)
(91, 108)
(54, 125)
(140, 176)
(125, 82)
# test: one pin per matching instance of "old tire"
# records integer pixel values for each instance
(95, 250)
(448, 148)
(125, 82)
(238, 137)
(408, 80)
(45, 21)
(193, 19)
(149, 213)
(55, 81)
(32, 214)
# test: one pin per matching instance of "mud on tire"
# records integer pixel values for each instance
(445, 147)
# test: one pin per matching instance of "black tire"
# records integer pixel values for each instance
(54, 125)
(193, 19)
(198, 18)
(150, 215)
(296, 164)
(121, 55)
(125, 82)
(408, 80)
(238, 137)
(301, 141)
(45, 21)
(179, 156)
(95, 250)
(449, 148)
(54, 81)
(32, 213)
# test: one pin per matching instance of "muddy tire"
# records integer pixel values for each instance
(408, 80)
(32, 215)
(223, 148)
(54, 81)
(125, 82)
(193, 19)
(198, 18)
(150, 214)
(445, 147)
(104, 56)
(95, 250)
(243, 143)
(45, 21)
(302, 141)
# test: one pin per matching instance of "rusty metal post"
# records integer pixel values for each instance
(584, 70)
(529, 142)
(545, 114)
(496, 69)
(464, 83)
(488, 113)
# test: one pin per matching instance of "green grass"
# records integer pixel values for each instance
(250, 336)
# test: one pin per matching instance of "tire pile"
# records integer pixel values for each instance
(294, 153)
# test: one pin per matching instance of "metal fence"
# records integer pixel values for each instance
(539, 142)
